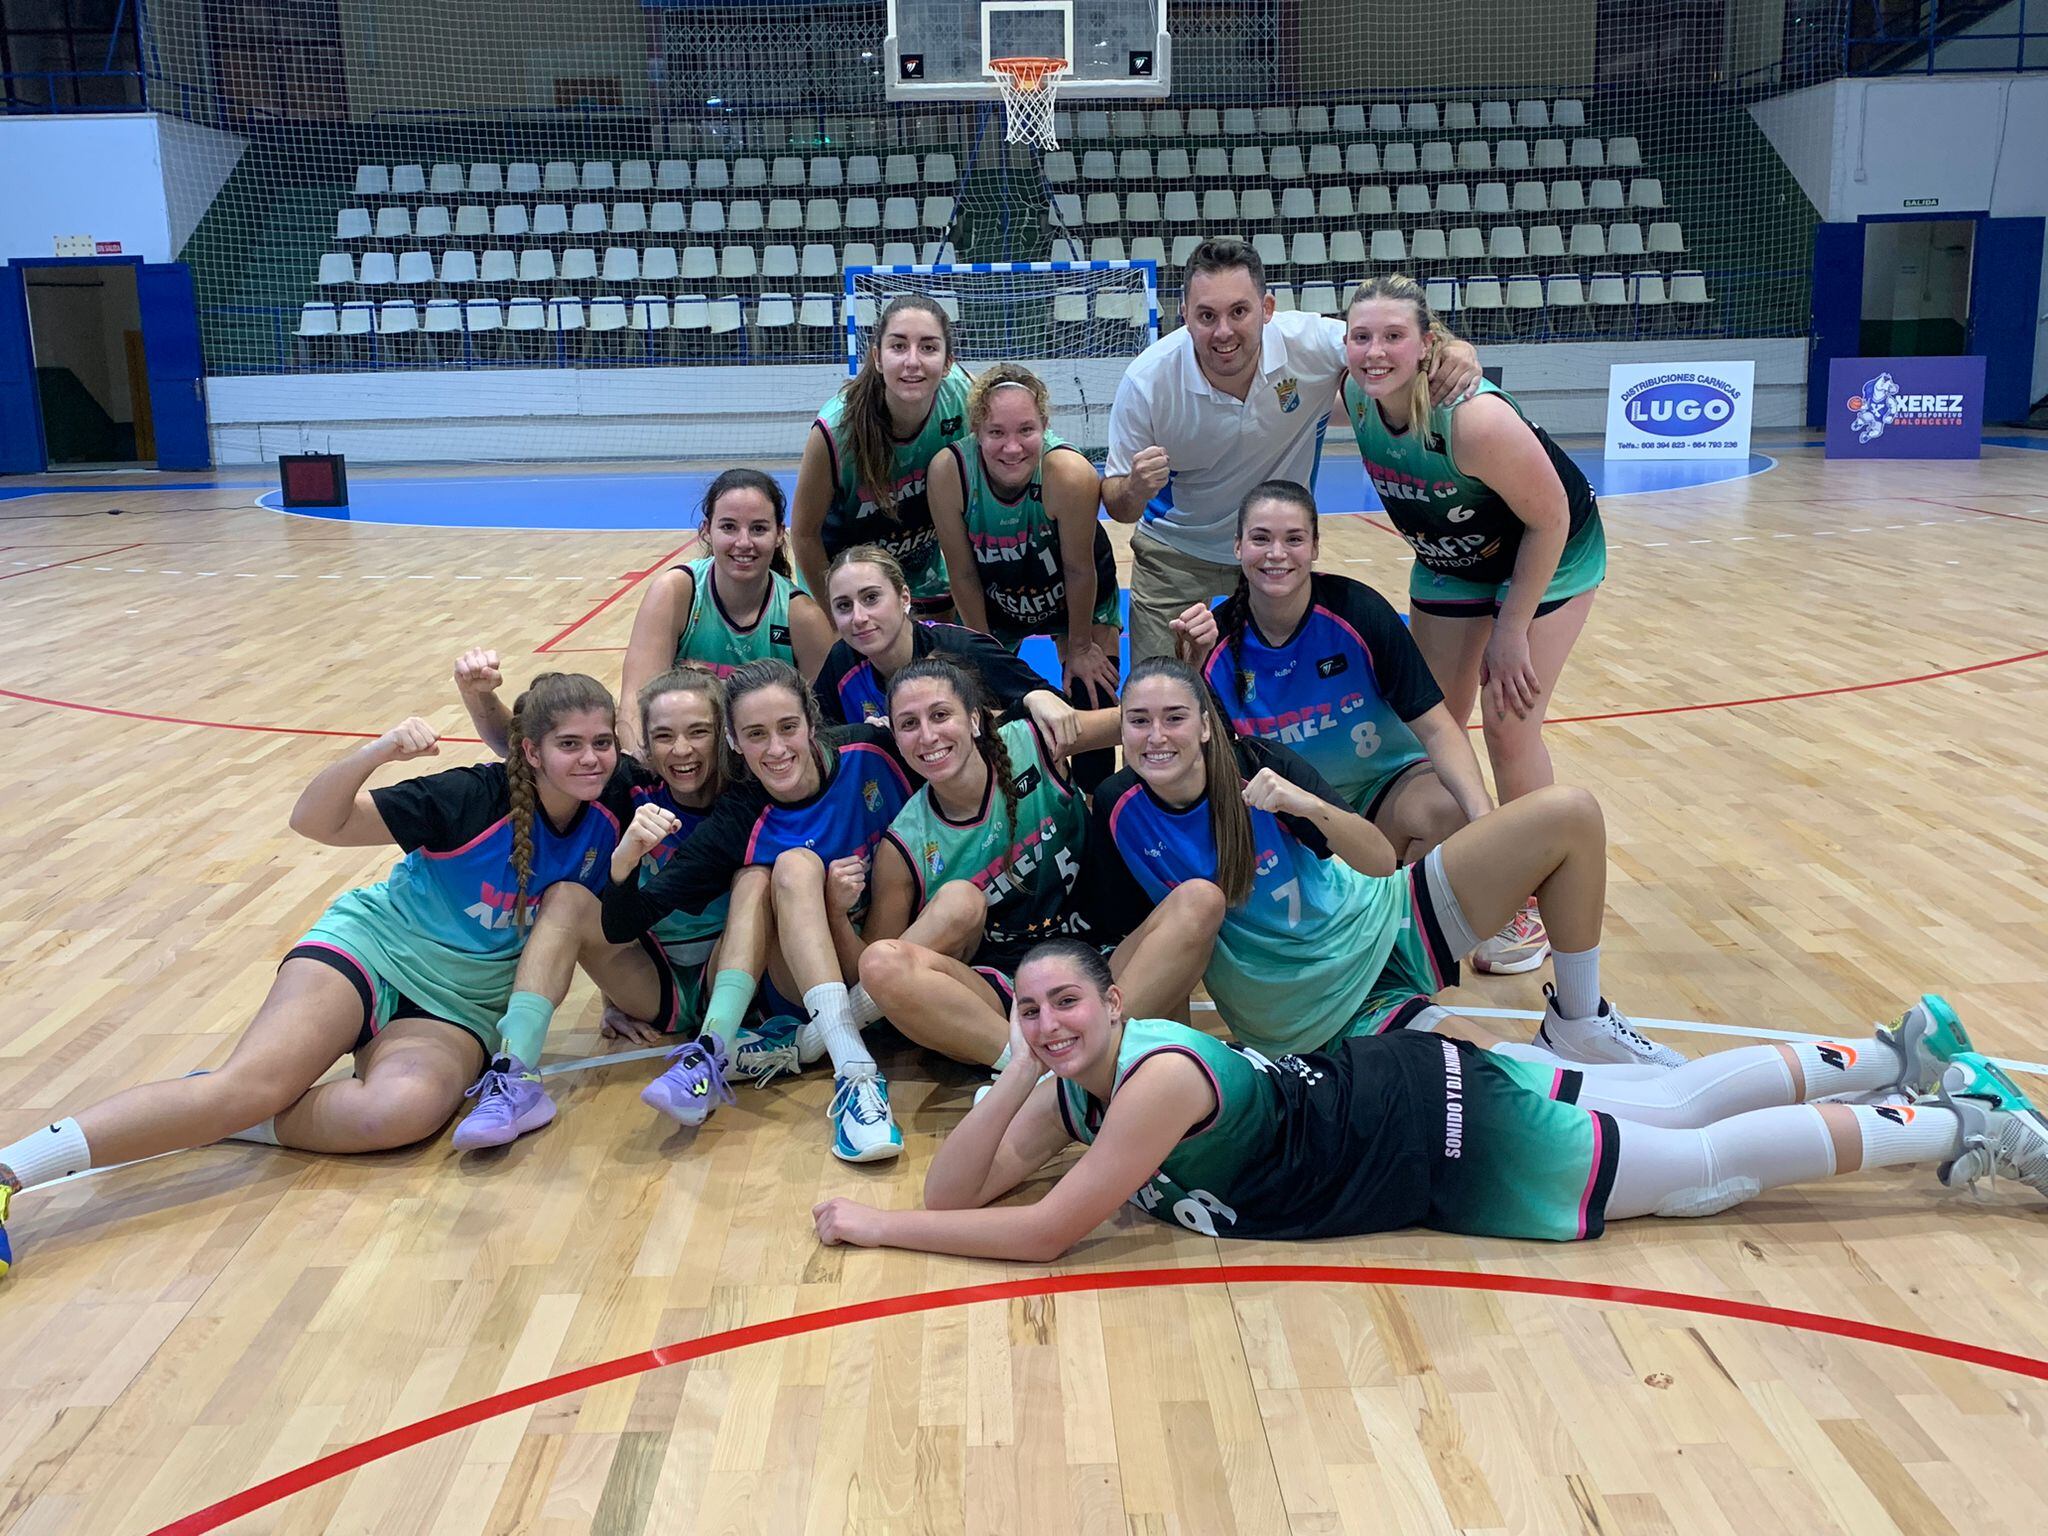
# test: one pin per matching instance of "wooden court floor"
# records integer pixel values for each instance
(1814, 703)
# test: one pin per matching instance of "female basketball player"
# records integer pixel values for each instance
(715, 955)
(733, 604)
(982, 863)
(1015, 508)
(1401, 1130)
(1353, 947)
(1323, 664)
(870, 603)
(1507, 538)
(862, 478)
(452, 964)
(817, 804)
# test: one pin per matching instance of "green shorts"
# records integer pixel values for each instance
(1419, 966)
(469, 991)
(1520, 1157)
(1580, 568)
(688, 963)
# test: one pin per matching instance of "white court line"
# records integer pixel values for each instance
(1679, 1026)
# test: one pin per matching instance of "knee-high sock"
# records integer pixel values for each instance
(1698, 1172)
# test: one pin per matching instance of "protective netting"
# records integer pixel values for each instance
(583, 185)
(1076, 326)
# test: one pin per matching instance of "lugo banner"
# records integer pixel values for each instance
(1906, 408)
(1679, 410)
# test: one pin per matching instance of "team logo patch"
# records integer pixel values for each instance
(778, 634)
(1027, 781)
(871, 795)
(1288, 391)
(950, 427)
(1840, 1057)
(589, 862)
(1247, 685)
(1330, 666)
(934, 861)
(1898, 1114)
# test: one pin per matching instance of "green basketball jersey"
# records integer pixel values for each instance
(1200, 1177)
(712, 639)
(1024, 864)
(855, 516)
(1017, 549)
(1458, 525)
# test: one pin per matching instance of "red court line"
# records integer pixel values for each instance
(217, 725)
(2018, 517)
(467, 1415)
(631, 580)
(74, 560)
(1812, 693)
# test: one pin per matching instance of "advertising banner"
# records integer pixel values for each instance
(1679, 410)
(1906, 408)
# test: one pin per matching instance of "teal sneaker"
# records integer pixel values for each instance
(760, 1055)
(2003, 1134)
(1928, 1036)
(863, 1129)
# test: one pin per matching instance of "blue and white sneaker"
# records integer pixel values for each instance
(2003, 1135)
(779, 1046)
(863, 1130)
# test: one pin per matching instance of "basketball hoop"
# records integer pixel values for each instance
(1028, 87)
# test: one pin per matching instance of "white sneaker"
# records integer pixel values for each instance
(863, 1129)
(1605, 1037)
(1521, 946)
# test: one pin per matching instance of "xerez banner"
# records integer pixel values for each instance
(1906, 408)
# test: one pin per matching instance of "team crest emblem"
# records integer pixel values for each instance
(1247, 685)
(951, 426)
(589, 862)
(1289, 393)
(934, 861)
(778, 634)
(871, 793)
(1330, 666)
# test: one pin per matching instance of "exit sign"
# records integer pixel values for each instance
(1922, 202)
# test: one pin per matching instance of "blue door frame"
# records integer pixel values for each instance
(170, 345)
(2005, 294)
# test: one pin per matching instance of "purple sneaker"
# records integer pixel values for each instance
(694, 1083)
(509, 1102)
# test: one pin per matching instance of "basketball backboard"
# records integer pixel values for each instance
(938, 50)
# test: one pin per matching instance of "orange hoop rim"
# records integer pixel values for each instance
(1028, 74)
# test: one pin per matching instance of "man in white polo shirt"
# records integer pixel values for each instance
(1236, 396)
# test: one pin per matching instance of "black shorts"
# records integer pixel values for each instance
(346, 967)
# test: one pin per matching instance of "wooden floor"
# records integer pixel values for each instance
(181, 1330)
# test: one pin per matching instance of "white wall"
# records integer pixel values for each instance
(1861, 147)
(762, 412)
(141, 179)
(82, 175)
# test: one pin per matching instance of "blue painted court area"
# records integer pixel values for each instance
(668, 500)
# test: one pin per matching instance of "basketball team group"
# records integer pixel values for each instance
(831, 795)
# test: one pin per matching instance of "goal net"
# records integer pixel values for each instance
(1077, 325)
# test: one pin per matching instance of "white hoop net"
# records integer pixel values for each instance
(1028, 89)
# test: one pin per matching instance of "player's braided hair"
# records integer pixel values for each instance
(965, 681)
(689, 677)
(1403, 289)
(867, 425)
(535, 713)
(1230, 824)
(744, 479)
(773, 672)
(1237, 610)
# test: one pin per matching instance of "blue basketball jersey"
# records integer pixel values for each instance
(1339, 690)
(1297, 957)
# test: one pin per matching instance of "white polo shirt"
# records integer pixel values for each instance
(1217, 447)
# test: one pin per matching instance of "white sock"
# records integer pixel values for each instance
(832, 1013)
(54, 1152)
(262, 1135)
(1704, 1090)
(1665, 1172)
(1577, 976)
(1846, 1066)
(866, 1010)
(1905, 1133)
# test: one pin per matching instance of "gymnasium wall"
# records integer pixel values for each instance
(532, 44)
(1473, 43)
(687, 412)
(82, 175)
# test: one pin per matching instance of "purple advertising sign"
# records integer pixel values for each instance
(1905, 408)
